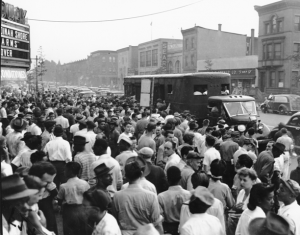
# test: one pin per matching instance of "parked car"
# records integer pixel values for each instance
(282, 104)
(293, 126)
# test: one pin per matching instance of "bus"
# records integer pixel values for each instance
(182, 91)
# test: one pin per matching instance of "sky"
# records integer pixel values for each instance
(67, 42)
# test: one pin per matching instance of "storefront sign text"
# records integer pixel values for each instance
(164, 57)
(13, 74)
(10, 12)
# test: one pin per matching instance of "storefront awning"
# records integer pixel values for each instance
(239, 77)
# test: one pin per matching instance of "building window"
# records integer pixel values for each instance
(267, 28)
(186, 61)
(280, 26)
(193, 42)
(193, 60)
(148, 58)
(277, 51)
(154, 57)
(297, 23)
(170, 67)
(122, 60)
(265, 52)
(295, 79)
(269, 51)
(274, 24)
(103, 59)
(114, 59)
(142, 59)
(170, 89)
(272, 80)
(186, 43)
(280, 79)
(109, 59)
(103, 69)
(114, 69)
(109, 69)
(296, 48)
(177, 67)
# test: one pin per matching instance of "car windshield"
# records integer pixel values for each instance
(295, 102)
(241, 108)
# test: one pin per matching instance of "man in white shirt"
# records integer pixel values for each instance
(74, 128)
(90, 136)
(169, 151)
(210, 154)
(32, 127)
(247, 145)
(200, 222)
(288, 191)
(60, 120)
(59, 153)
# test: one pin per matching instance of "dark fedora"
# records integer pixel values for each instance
(102, 169)
(49, 123)
(58, 130)
(272, 224)
(80, 140)
(193, 125)
(18, 124)
(79, 117)
(142, 163)
(90, 124)
(13, 187)
(279, 146)
(27, 136)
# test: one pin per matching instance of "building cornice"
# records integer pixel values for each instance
(286, 4)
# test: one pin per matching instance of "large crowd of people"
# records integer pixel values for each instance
(106, 166)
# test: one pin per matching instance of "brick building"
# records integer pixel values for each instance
(127, 63)
(279, 38)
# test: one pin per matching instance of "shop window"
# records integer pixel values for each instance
(170, 89)
(280, 79)
(295, 79)
(200, 89)
(297, 23)
(272, 80)
(277, 51)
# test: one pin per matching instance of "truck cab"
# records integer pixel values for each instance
(234, 109)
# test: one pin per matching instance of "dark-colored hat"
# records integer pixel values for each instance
(58, 130)
(49, 123)
(90, 124)
(13, 187)
(102, 169)
(235, 134)
(100, 198)
(79, 117)
(279, 146)
(18, 124)
(203, 194)
(193, 155)
(27, 136)
(272, 224)
(142, 163)
(80, 140)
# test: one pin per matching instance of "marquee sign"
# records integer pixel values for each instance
(13, 74)
(12, 13)
(233, 71)
(15, 43)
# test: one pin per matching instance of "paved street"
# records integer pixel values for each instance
(273, 120)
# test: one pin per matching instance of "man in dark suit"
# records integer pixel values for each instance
(157, 175)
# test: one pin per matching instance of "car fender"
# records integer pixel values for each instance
(283, 106)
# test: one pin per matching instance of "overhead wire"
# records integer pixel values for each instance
(110, 20)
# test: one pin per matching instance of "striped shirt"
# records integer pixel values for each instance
(85, 159)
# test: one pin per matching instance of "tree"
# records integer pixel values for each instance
(208, 63)
(41, 63)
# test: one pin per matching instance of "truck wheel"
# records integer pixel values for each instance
(282, 111)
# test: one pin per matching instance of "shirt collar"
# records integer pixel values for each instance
(133, 186)
(175, 188)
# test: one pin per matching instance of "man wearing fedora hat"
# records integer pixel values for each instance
(15, 195)
(200, 222)
(84, 157)
(75, 127)
(13, 139)
(264, 165)
(287, 193)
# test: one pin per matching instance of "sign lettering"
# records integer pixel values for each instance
(233, 71)
(164, 57)
(13, 74)
(10, 12)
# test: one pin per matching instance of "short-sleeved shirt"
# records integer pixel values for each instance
(107, 226)
(58, 150)
(171, 201)
(25, 157)
(60, 120)
(134, 207)
(85, 159)
(145, 184)
(210, 155)
(72, 191)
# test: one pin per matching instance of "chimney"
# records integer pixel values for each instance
(220, 27)
(252, 43)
